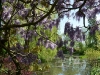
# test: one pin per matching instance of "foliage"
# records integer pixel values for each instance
(64, 50)
(28, 30)
(98, 36)
(80, 48)
(92, 54)
(98, 39)
(39, 67)
(95, 71)
(47, 54)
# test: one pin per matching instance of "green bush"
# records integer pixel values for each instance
(92, 54)
(95, 71)
(47, 54)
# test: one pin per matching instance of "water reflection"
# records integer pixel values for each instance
(68, 66)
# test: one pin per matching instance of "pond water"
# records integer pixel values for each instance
(68, 66)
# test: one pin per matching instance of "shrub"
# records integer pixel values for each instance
(92, 54)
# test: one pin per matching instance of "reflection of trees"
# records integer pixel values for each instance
(71, 71)
(56, 70)
(59, 70)
(80, 68)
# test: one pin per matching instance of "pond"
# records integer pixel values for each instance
(68, 66)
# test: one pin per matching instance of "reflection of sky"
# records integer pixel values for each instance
(76, 68)
(73, 69)
(60, 74)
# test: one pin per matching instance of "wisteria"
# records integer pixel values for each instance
(60, 54)
(29, 28)
(93, 30)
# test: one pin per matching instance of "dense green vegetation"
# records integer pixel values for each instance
(29, 38)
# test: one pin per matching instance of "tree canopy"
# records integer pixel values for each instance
(28, 30)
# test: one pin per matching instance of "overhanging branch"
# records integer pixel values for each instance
(32, 23)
